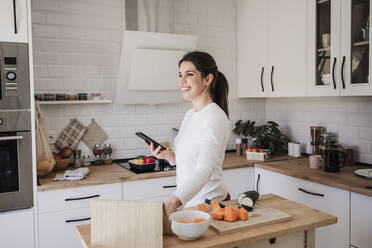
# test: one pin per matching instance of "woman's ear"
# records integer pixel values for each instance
(209, 79)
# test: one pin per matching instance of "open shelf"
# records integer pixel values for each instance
(323, 1)
(75, 102)
(324, 49)
(361, 43)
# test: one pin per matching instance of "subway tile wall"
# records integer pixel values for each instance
(349, 117)
(77, 47)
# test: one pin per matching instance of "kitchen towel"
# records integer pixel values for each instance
(70, 175)
(95, 135)
(71, 134)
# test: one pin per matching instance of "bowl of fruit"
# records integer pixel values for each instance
(142, 163)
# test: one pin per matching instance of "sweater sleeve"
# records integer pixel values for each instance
(212, 143)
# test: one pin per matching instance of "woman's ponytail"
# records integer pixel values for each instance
(219, 88)
(219, 92)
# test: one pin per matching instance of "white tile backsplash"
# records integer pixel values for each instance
(77, 47)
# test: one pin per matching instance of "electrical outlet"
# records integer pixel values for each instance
(51, 139)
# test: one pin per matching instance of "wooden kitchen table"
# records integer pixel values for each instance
(297, 232)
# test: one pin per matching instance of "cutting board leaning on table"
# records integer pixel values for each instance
(142, 224)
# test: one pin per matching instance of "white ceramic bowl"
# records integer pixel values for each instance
(189, 231)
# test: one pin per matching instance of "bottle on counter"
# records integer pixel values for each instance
(244, 146)
(238, 144)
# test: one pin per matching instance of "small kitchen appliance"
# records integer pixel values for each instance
(14, 76)
(332, 161)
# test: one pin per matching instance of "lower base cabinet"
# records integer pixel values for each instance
(239, 180)
(361, 221)
(17, 229)
(58, 230)
(59, 211)
(324, 198)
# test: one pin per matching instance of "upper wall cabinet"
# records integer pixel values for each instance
(13, 21)
(272, 48)
(339, 48)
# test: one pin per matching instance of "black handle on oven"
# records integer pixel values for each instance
(342, 72)
(333, 73)
(262, 73)
(15, 17)
(169, 186)
(311, 193)
(272, 73)
(81, 198)
(77, 220)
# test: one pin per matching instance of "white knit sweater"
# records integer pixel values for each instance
(200, 150)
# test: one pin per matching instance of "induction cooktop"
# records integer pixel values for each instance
(161, 165)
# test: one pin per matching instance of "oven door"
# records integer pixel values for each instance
(16, 190)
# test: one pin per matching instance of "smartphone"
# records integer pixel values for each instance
(149, 140)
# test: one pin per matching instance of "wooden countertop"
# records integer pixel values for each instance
(114, 173)
(345, 179)
(303, 219)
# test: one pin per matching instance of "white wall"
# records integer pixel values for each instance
(349, 117)
(77, 49)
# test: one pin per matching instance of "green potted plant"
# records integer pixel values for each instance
(269, 136)
(244, 128)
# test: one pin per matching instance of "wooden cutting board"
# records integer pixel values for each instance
(260, 216)
(118, 223)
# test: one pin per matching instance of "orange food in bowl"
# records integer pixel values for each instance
(196, 220)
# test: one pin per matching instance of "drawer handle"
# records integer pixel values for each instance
(311, 193)
(77, 220)
(81, 198)
(169, 186)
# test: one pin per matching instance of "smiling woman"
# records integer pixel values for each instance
(199, 148)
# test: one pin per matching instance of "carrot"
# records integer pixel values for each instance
(202, 207)
(243, 214)
(249, 150)
(215, 205)
(200, 219)
(231, 214)
(217, 214)
(261, 150)
(254, 150)
(184, 221)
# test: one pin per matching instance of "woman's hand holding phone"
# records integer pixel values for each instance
(162, 154)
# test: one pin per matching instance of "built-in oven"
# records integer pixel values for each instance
(16, 187)
(14, 76)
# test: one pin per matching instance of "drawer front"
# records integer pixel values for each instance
(58, 230)
(330, 200)
(361, 220)
(149, 188)
(58, 200)
(17, 229)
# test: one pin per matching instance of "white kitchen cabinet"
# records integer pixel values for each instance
(341, 67)
(155, 189)
(59, 200)
(324, 198)
(13, 20)
(57, 229)
(17, 229)
(239, 180)
(361, 220)
(272, 48)
(59, 211)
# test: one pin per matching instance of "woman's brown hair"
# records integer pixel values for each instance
(219, 88)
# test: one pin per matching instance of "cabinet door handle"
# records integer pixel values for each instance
(77, 220)
(15, 17)
(169, 186)
(81, 198)
(272, 73)
(262, 73)
(333, 73)
(311, 193)
(342, 72)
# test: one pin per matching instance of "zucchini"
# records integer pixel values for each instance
(247, 199)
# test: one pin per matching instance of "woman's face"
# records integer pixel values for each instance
(192, 84)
